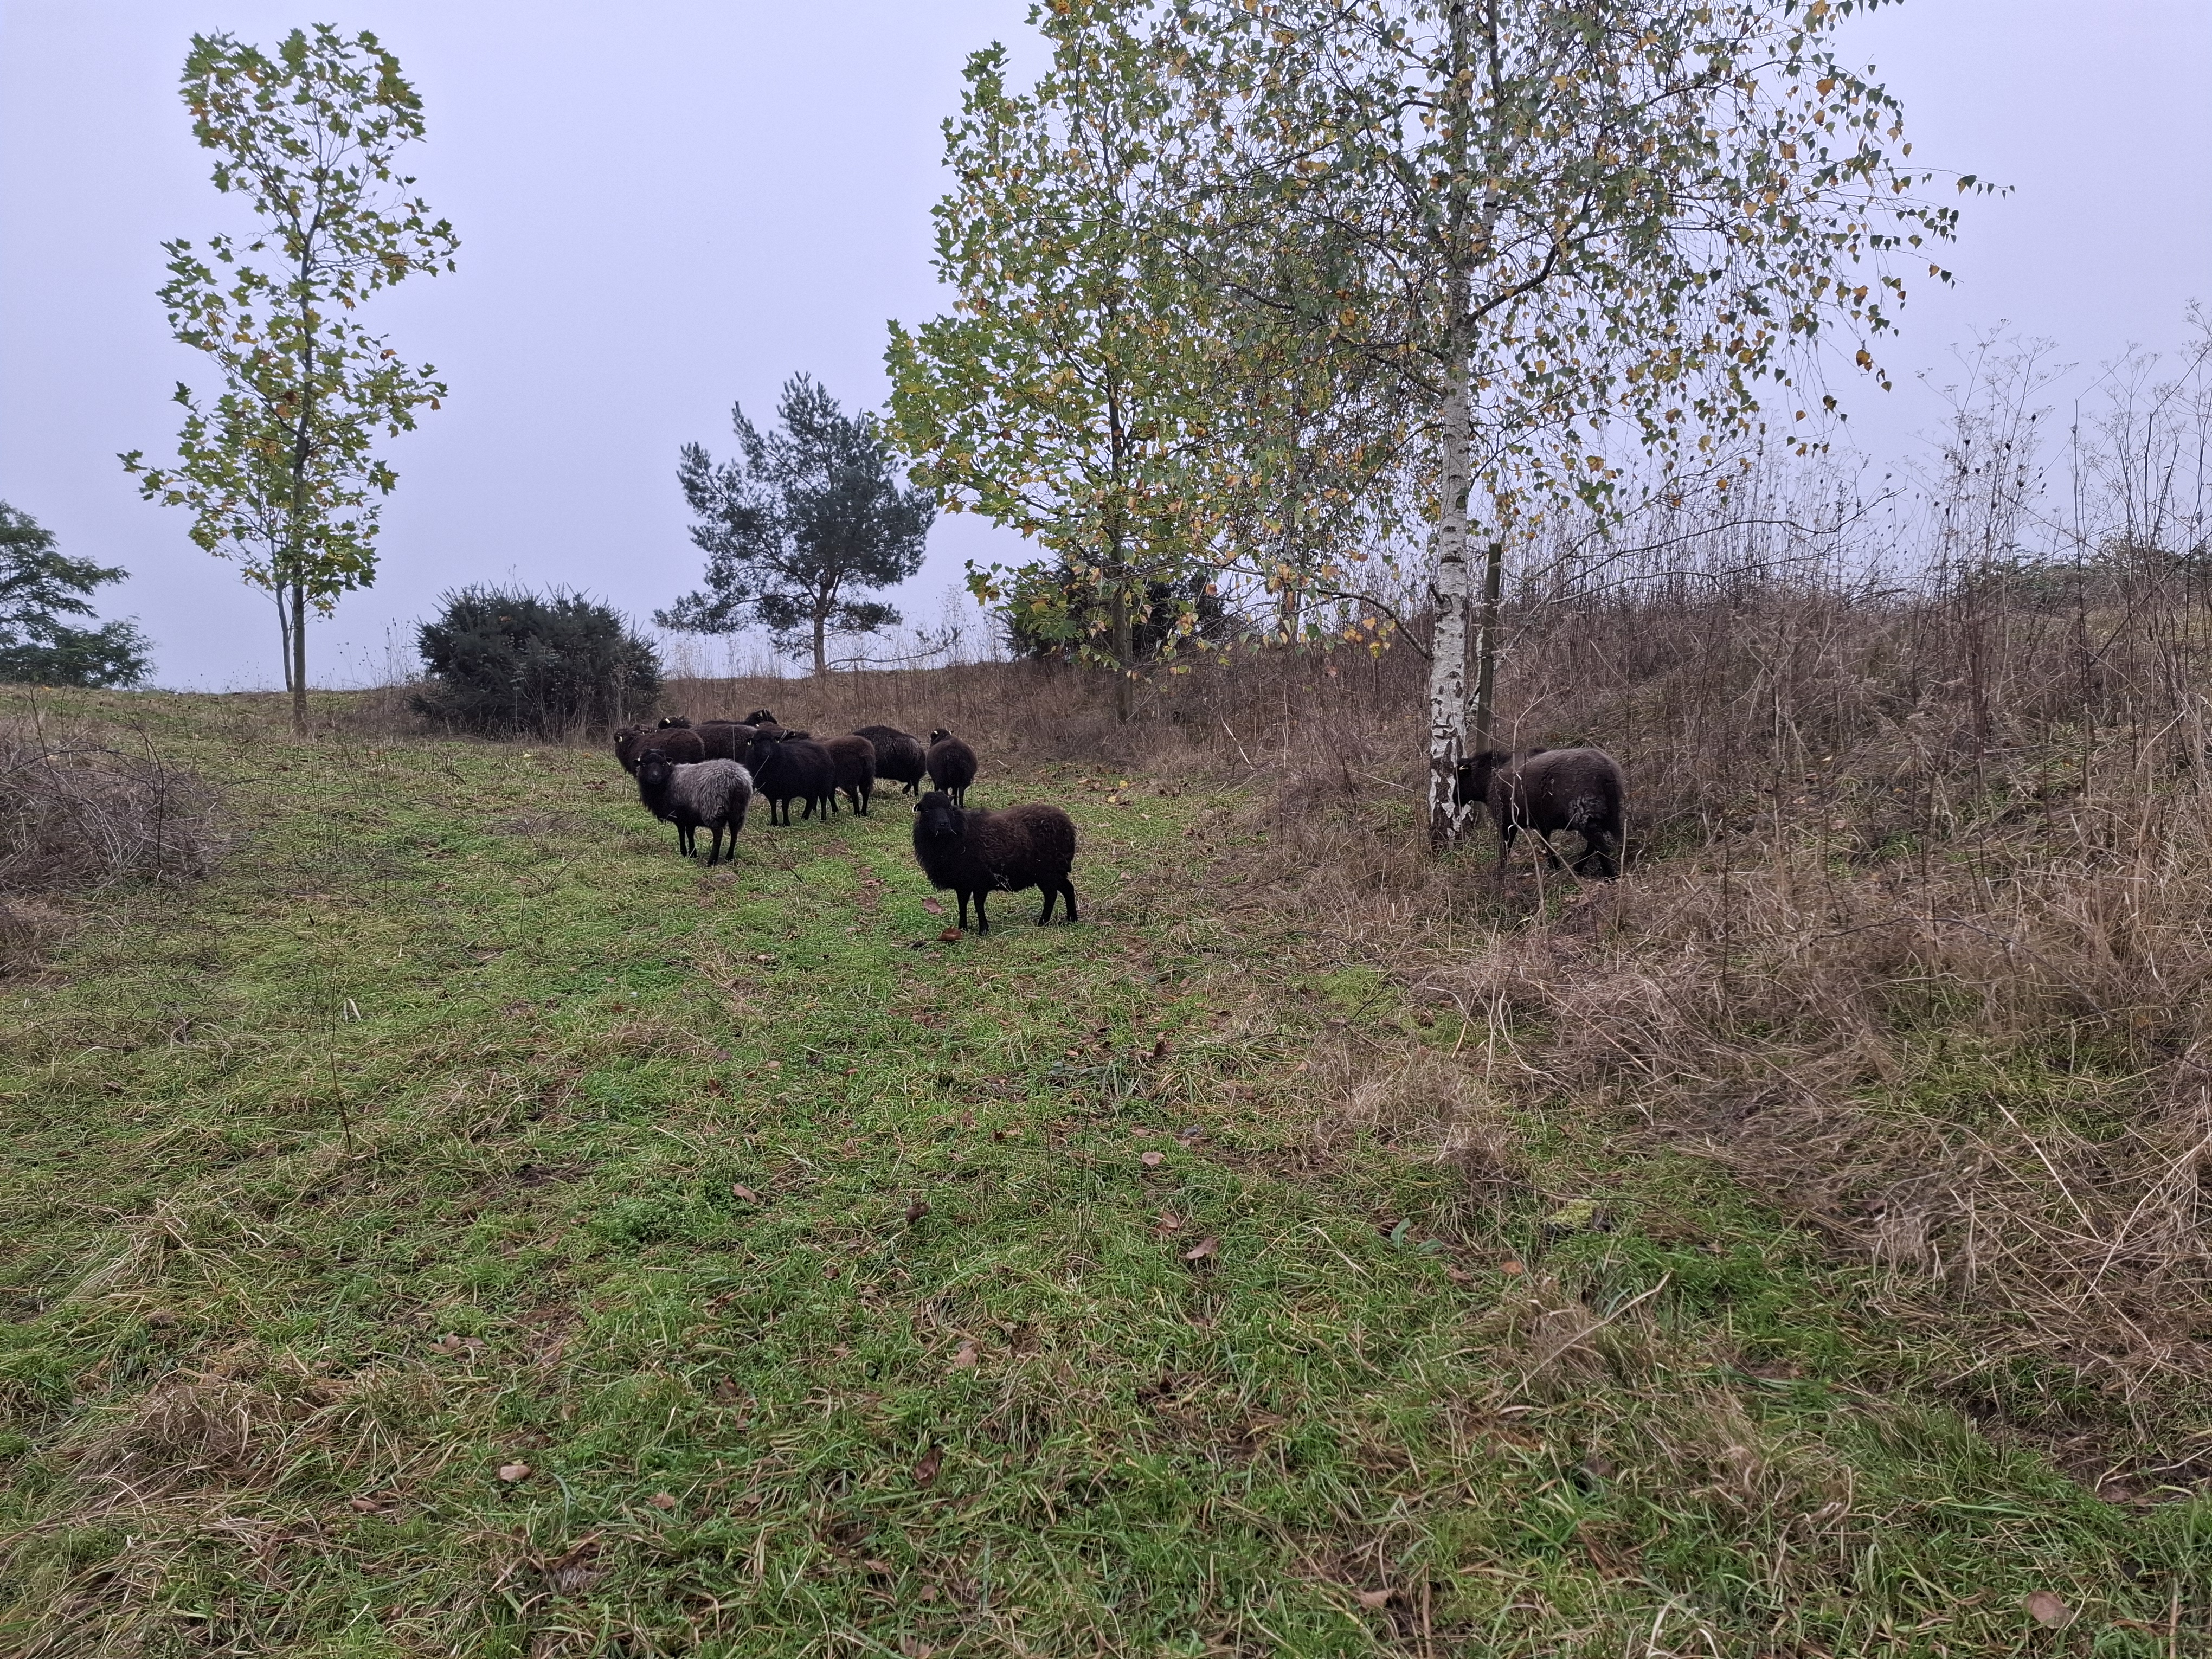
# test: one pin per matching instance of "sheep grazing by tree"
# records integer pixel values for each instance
(679, 743)
(1548, 791)
(976, 854)
(855, 760)
(951, 765)
(900, 756)
(710, 795)
(786, 769)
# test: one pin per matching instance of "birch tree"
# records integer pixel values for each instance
(280, 470)
(1592, 234)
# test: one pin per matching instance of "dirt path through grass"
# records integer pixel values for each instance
(461, 1227)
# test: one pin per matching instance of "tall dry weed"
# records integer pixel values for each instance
(81, 807)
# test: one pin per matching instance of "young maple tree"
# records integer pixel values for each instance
(280, 471)
(1071, 393)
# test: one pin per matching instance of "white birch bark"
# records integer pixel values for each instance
(1448, 665)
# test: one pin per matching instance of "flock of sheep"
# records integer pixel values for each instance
(705, 777)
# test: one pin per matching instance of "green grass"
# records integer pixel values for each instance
(457, 1125)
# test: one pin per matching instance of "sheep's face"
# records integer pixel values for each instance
(937, 819)
(762, 717)
(668, 722)
(653, 768)
(938, 734)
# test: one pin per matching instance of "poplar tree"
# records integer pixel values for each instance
(279, 471)
(1592, 238)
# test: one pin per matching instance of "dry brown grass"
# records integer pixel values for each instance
(82, 806)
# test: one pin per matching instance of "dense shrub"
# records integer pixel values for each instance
(504, 662)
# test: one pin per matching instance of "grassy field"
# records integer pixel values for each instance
(457, 1226)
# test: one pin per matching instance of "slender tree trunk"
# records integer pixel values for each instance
(1124, 637)
(1448, 666)
(821, 643)
(284, 631)
(1482, 713)
(299, 660)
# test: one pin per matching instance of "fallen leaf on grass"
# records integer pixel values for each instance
(925, 1471)
(1374, 1598)
(663, 1500)
(2049, 1611)
(1512, 1269)
(965, 1358)
(1459, 1276)
(515, 1471)
(364, 1505)
(935, 906)
(1203, 1248)
(832, 1269)
(741, 1190)
(1160, 1049)
(950, 936)
(916, 1211)
(911, 1647)
(1152, 1160)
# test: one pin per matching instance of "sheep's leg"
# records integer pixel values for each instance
(1051, 897)
(1506, 831)
(1067, 892)
(963, 908)
(714, 850)
(982, 922)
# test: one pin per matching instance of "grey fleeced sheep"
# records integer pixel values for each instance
(1548, 791)
(899, 755)
(976, 854)
(679, 743)
(710, 795)
(951, 765)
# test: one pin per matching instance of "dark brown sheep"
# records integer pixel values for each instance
(1548, 791)
(855, 760)
(899, 755)
(951, 765)
(724, 739)
(679, 743)
(976, 854)
(788, 769)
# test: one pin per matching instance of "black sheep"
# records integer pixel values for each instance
(855, 759)
(976, 854)
(899, 755)
(1548, 791)
(679, 743)
(951, 765)
(788, 769)
(710, 795)
(724, 739)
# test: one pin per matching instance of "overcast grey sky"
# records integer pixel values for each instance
(665, 205)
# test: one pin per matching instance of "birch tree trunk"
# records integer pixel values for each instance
(1482, 712)
(1448, 663)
